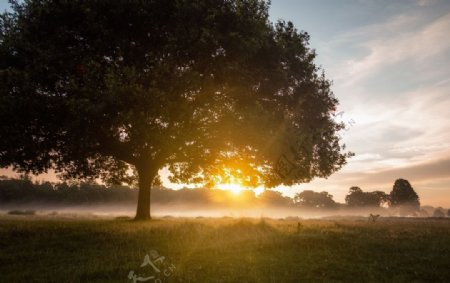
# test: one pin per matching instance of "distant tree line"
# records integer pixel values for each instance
(402, 198)
(24, 191)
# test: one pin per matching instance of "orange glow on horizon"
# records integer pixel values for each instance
(232, 187)
(237, 189)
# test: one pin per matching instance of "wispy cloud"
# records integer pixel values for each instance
(394, 42)
(424, 3)
(392, 78)
(431, 180)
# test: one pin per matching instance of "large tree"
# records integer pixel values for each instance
(404, 198)
(207, 88)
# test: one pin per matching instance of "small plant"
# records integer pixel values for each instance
(299, 226)
(373, 217)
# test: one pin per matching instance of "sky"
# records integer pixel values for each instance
(390, 66)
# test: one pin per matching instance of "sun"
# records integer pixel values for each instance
(234, 188)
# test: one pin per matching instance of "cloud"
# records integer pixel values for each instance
(367, 157)
(424, 3)
(420, 172)
(431, 181)
(399, 127)
(394, 42)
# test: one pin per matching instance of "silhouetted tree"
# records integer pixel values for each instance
(423, 213)
(359, 198)
(404, 197)
(94, 88)
(273, 198)
(310, 198)
(439, 212)
(19, 191)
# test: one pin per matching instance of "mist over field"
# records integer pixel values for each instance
(23, 197)
(173, 210)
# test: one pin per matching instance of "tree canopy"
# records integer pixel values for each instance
(207, 88)
(310, 198)
(404, 197)
(357, 198)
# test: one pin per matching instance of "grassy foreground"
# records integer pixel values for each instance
(34, 249)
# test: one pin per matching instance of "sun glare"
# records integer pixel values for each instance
(234, 188)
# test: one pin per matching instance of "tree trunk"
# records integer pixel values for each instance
(146, 177)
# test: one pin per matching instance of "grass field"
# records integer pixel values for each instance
(46, 249)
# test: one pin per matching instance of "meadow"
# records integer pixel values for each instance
(64, 249)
